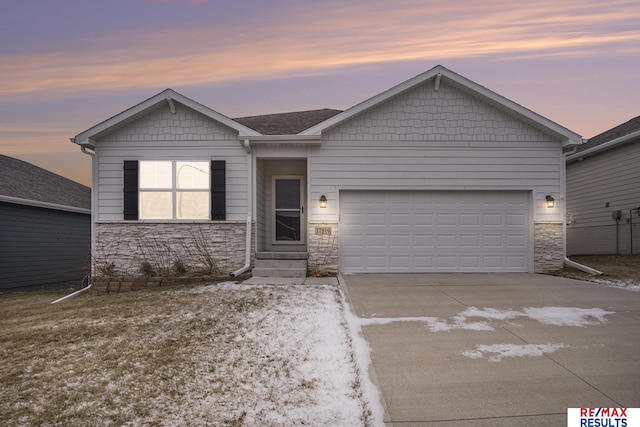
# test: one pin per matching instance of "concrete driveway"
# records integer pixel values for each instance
(497, 349)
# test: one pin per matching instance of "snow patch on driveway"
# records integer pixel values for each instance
(496, 352)
(556, 316)
(567, 316)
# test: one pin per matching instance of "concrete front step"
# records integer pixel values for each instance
(278, 272)
(282, 255)
(273, 267)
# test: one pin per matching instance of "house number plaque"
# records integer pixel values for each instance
(323, 231)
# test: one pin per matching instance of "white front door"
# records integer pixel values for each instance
(288, 216)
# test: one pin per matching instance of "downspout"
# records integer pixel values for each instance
(631, 227)
(567, 261)
(87, 279)
(247, 257)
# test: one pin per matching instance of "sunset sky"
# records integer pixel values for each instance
(67, 65)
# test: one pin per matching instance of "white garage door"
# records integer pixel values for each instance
(435, 231)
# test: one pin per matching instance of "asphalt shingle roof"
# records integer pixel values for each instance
(287, 123)
(26, 181)
(626, 128)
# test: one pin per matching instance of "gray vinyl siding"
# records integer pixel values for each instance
(42, 246)
(186, 135)
(608, 177)
(444, 140)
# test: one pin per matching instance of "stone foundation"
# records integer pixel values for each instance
(323, 248)
(548, 247)
(164, 249)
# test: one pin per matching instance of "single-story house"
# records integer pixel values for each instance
(437, 174)
(45, 227)
(603, 193)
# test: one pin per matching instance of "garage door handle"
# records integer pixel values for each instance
(301, 209)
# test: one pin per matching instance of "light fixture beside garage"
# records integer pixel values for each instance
(550, 201)
(323, 201)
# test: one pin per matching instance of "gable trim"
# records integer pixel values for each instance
(439, 73)
(168, 96)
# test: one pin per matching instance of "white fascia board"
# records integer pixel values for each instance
(46, 205)
(86, 137)
(607, 145)
(565, 135)
(286, 139)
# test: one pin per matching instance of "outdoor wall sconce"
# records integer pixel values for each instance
(323, 201)
(550, 201)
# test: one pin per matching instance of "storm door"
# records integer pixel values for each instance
(288, 227)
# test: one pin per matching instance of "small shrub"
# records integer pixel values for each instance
(179, 267)
(107, 269)
(147, 269)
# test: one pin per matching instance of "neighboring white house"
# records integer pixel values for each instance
(603, 193)
(437, 174)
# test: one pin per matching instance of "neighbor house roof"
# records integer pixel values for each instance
(27, 184)
(441, 74)
(621, 134)
(287, 123)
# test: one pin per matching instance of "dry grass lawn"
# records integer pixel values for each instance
(209, 355)
(618, 269)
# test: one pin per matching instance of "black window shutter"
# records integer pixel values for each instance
(218, 190)
(130, 189)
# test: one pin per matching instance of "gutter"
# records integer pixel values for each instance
(46, 205)
(606, 145)
(566, 260)
(247, 250)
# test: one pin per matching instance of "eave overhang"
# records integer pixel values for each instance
(45, 205)
(603, 147)
(290, 140)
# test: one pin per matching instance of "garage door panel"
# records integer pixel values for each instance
(425, 219)
(515, 240)
(434, 231)
(472, 219)
(493, 219)
(470, 241)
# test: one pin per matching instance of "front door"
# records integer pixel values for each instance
(288, 226)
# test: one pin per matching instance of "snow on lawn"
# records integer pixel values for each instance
(217, 355)
(314, 380)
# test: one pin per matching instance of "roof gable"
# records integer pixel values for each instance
(440, 74)
(165, 98)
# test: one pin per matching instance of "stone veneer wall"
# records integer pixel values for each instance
(127, 245)
(548, 247)
(323, 248)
